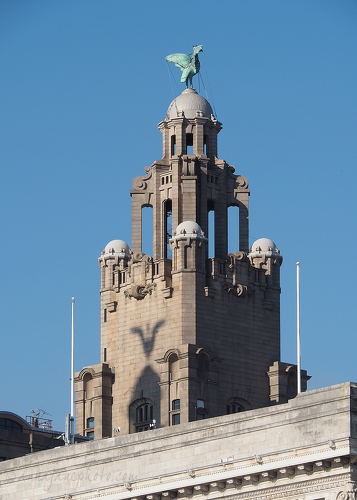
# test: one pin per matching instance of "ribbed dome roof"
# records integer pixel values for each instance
(117, 247)
(189, 102)
(264, 245)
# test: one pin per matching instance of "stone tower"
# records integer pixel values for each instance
(184, 336)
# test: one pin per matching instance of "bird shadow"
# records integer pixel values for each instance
(148, 337)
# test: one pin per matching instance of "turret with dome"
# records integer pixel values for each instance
(186, 335)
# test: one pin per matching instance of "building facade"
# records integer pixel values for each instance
(184, 335)
(19, 437)
(305, 449)
(193, 339)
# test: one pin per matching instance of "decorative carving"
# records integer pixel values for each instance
(236, 290)
(349, 495)
(140, 257)
(241, 256)
(242, 181)
(139, 292)
(140, 182)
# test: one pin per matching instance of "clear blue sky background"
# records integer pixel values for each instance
(83, 85)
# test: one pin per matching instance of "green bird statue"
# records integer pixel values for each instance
(189, 66)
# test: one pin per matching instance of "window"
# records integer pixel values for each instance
(147, 229)
(167, 228)
(10, 425)
(233, 228)
(175, 419)
(211, 228)
(200, 409)
(144, 417)
(234, 408)
(173, 145)
(90, 423)
(90, 435)
(189, 144)
(176, 404)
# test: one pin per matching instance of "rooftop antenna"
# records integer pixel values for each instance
(298, 327)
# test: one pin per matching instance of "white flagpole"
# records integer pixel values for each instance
(298, 327)
(72, 377)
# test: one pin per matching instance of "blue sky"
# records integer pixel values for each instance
(83, 86)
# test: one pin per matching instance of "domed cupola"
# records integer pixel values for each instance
(189, 127)
(116, 249)
(189, 104)
(264, 254)
(188, 229)
(189, 247)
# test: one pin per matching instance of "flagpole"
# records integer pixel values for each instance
(72, 378)
(298, 327)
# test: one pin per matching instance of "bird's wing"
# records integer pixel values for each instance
(179, 60)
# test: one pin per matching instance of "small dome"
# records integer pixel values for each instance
(264, 245)
(188, 228)
(189, 102)
(117, 247)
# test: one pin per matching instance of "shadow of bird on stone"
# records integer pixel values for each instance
(148, 339)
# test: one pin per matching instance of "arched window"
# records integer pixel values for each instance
(189, 144)
(174, 367)
(211, 229)
(236, 405)
(292, 384)
(147, 230)
(142, 415)
(167, 228)
(10, 425)
(173, 145)
(233, 229)
(90, 423)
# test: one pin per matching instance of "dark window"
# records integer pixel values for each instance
(176, 419)
(173, 145)
(189, 144)
(234, 408)
(90, 423)
(176, 404)
(201, 409)
(90, 435)
(211, 228)
(10, 425)
(167, 227)
(144, 417)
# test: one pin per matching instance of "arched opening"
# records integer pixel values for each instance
(292, 384)
(205, 140)
(233, 228)
(173, 367)
(167, 228)
(189, 144)
(174, 372)
(236, 405)
(147, 229)
(173, 145)
(211, 229)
